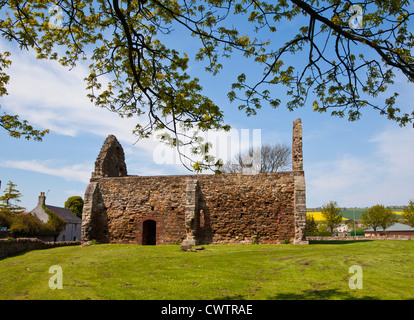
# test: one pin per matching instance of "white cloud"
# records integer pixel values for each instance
(386, 176)
(339, 180)
(77, 172)
(73, 192)
(54, 97)
(396, 147)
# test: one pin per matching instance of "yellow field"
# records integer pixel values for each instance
(318, 216)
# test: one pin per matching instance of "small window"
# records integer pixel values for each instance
(202, 218)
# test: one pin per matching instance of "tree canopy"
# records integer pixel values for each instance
(378, 216)
(408, 213)
(134, 71)
(331, 214)
(75, 204)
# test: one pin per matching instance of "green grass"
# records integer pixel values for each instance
(316, 271)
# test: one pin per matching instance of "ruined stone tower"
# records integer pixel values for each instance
(109, 163)
(200, 209)
(111, 160)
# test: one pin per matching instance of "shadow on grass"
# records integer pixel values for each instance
(337, 241)
(327, 294)
(20, 253)
(232, 297)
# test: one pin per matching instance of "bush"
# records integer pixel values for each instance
(75, 204)
(55, 224)
(27, 225)
(5, 220)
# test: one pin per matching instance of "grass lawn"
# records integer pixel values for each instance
(316, 271)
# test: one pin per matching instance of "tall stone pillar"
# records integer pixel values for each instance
(297, 151)
(300, 185)
(191, 212)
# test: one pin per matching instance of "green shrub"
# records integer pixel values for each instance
(55, 224)
(5, 220)
(27, 225)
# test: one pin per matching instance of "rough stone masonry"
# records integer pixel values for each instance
(196, 209)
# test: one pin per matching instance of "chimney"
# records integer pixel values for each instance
(42, 199)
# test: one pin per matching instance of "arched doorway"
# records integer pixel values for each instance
(149, 232)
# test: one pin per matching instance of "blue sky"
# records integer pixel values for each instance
(359, 164)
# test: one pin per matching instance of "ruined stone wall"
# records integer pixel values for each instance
(231, 208)
(226, 208)
(9, 247)
(126, 203)
(239, 208)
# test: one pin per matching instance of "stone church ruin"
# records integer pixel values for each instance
(201, 209)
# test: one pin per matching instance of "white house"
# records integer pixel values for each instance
(73, 228)
(342, 228)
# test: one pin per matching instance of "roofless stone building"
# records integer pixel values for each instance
(202, 209)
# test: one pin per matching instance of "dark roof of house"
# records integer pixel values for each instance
(67, 215)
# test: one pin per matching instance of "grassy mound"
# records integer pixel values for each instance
(316, 271)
